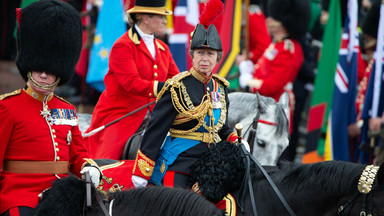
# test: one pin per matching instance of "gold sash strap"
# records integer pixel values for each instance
(50, 167)
(199, 136)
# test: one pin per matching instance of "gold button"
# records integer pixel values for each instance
(155, 66)
(56, 144)
(155, 74)
(54, 136)
(57, 158)
(53, 131)
(150, 94)
(57, 149)
(147, 170)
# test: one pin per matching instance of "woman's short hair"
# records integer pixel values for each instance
(137, 17)
(219, 54)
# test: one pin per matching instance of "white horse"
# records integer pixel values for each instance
(272, 129)
(272, 135)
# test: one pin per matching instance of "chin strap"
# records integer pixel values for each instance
(38, 85)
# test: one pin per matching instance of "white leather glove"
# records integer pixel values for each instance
(246, 72)
(95, 174)
(246, 145)
(139, 182)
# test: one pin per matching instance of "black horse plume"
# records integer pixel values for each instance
(220, 170)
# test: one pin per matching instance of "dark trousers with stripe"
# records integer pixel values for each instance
(18, 211)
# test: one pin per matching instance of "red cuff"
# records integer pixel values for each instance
(143, 166)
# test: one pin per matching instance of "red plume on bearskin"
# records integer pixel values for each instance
(212, 10)
(18, 15)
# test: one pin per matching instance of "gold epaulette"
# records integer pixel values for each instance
(16, 92)
(288, 45)
(221, 79)
(63, 100)
(174, 81)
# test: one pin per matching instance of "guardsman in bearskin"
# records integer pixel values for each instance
(139, 64)
(192, 107)
(287, 21)
(40, 138)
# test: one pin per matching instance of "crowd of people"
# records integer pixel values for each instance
(183, 113)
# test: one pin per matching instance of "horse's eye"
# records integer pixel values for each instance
(261, 143)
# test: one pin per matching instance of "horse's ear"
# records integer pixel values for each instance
(380, 175)
(284, 100)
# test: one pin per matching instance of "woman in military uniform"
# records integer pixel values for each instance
(40, 138)
(192, 107)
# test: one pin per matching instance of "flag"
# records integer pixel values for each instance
(321, 100)
(374, 98)
(185, 18)
(230, 31)
(110, 26)
(343, 111)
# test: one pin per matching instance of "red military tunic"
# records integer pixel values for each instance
(27, 136)
(259, 38)
(131, 82)
(278, 66)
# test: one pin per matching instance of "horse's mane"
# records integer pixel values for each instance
(329, 176)
(67, 195)
(221, 170)
(247, 103)
(163, 201)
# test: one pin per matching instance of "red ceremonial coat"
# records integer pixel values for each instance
(278, 66)
(259, 38)
(133, 80)
(27, 136)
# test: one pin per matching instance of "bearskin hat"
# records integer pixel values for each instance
(293, 14)
(371, 22)
(152, 7)
(205, 34)
(49, 39)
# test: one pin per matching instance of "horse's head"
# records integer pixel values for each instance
(272, 124)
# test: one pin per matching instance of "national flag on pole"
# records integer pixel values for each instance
(230, 32)
(110, 26)
(343, 112)
(374, 98)
(185, 18)
(321, 100)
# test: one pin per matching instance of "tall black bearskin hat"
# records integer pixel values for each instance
(205, 34)
(150, 6)
(293, 14)
(49, 39)
(371, 22)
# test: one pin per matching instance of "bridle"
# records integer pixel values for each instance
(252, 128)
(365, 189)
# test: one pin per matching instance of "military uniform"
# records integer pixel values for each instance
(133, 80)
(277, 67)
(40, 142)
(193, 109)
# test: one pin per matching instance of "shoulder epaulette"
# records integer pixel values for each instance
(16, 92)
(174, 81)
(63, 100)
(288, 45)
(221, 79)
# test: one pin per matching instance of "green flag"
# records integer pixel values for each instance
(321, 100)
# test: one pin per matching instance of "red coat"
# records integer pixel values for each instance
(131, 82)
(259, 38)
(278, 66)
(27, 136)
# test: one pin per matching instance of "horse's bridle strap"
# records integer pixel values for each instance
(50, 167)
(267, 122)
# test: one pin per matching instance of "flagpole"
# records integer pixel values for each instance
(246, 43)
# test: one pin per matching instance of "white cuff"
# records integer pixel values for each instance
(139, 182)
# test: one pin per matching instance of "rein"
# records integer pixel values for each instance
(248, 183)
(88, 201)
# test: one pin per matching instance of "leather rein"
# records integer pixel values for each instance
(88, 200)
